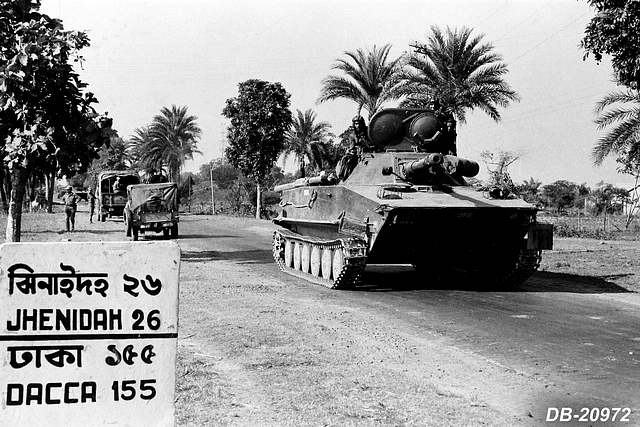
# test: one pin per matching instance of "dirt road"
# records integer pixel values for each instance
(397, 352)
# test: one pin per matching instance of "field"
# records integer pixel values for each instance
(600, 227)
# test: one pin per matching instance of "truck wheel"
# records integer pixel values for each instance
(128, 225)
(174, 232)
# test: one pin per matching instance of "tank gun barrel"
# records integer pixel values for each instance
(418, 167)
(303, 182)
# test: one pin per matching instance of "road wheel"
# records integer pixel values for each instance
(127, 222)
(327, 258)
(316, 261)
(288, 253)
(337, 264)
(297, 255)
(135, 233)
(165, 232)
(174, 231)
(306, 257)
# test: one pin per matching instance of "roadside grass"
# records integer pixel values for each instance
(50, 227)
(199, 389)
(592, 227)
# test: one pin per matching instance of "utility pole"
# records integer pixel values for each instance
(213, 201)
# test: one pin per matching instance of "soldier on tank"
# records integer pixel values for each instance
(448, 142)
(452, 135)
(359, 143)
(360, 138)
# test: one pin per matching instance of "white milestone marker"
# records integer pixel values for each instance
(88, 333)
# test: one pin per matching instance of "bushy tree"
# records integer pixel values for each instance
(609, 199)
(259, 116)
(559, 195)
(529, 191)
(582, 196)
(615, 31)
(47, 120)
(220, 171)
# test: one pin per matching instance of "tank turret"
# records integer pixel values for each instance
(411, 130)
(405, 186)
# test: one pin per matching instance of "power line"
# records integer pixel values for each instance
(529, 17)
(494, 12)
(550, 37)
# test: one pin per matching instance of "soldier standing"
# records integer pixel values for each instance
(92, 205)
(70, 200)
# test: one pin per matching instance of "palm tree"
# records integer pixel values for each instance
(116, 156)
(305, 140)
(457, 70)
(370, 79)
(135, 146)
(172, 138)
(624, 138)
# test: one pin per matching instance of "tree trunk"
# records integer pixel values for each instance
(3, 192)
(50, 183)
(31, 185)
(14, 220)
(258, 200)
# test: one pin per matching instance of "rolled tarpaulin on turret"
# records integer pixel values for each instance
(463, 167)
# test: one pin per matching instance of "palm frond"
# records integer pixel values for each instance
(459, 70)
(369, 79)
(623, 120)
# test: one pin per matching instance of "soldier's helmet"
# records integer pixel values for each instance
(358, 121)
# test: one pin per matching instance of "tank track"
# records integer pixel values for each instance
(509, 275)
(346, 276)
(528, 263)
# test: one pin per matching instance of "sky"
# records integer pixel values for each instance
(150, 54)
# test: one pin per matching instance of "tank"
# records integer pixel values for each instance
(405, 199)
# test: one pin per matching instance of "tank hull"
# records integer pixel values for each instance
(407, 207)
(402, 231)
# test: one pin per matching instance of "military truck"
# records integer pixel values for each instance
(152, 207)
(111, 193)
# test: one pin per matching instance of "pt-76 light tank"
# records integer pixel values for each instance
(406, 201)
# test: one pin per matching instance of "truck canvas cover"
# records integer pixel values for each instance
(153, 197)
